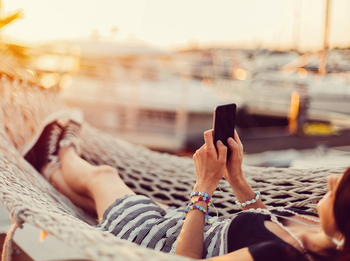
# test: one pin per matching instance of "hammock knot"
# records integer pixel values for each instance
(15, 216)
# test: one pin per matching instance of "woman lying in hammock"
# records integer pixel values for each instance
(255, 234)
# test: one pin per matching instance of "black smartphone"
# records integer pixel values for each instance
(224, 124)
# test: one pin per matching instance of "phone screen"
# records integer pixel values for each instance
(224, 124)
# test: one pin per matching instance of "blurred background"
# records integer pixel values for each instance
(152, 72)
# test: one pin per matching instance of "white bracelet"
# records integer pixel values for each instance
(248, 202)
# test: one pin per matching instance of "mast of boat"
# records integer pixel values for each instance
(323, 56)
(297, 24)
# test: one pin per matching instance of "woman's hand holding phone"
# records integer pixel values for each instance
(222, 153)
(224, 130)
(210, 164)
(233, 172)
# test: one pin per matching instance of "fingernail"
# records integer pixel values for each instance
(220, 142)
(230, 140)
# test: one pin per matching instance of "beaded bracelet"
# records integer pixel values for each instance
(206, 212)
(248, 202)
(202, 197)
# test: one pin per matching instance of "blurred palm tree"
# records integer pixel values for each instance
(9, 18)
(15, 51)
(13, 56)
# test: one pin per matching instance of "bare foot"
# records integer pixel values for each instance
(60, 184)
(76, 172)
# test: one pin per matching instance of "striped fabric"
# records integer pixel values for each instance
(138, 219)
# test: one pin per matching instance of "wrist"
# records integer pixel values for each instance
(235, 179)
(206, 188)
(200, 201)
(238, 184)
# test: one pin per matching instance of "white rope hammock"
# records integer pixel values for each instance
(28, 197)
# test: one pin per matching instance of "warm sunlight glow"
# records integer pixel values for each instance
(293, 112)
(267, 24)
(302, 73)
(55, 62)
(47, 80)
(31, 72)
(65, 82)
(241, 74)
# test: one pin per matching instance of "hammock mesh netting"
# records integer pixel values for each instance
(168, 179)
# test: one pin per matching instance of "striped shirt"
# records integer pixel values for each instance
(140, 220)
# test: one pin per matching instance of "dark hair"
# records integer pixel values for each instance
(341, 209)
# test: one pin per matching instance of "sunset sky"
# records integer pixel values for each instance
(249, 23)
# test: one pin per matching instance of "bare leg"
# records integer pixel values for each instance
(85, 203)
(102, 184)
(93, 188)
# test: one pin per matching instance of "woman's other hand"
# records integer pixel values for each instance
(209, 164)
(234, 171)
(234, 175)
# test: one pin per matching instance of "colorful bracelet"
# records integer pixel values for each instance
(248, 202)
(206, 212)
(202, 197)
(193, 201)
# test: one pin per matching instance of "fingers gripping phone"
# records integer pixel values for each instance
(224, 124)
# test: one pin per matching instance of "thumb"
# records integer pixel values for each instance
(208, 138)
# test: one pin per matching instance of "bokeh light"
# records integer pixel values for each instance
(207, 85)
(241, 74)
(65, 81)
(47, 80)
(302, 73)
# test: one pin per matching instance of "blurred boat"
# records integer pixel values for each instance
(165, 100)
(269, 96)
(140, 94)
